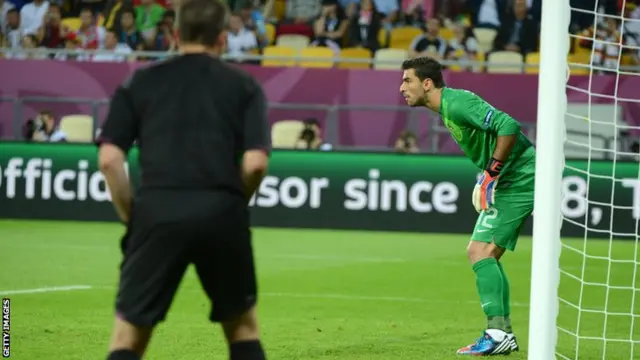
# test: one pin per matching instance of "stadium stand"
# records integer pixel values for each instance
(504, 62)
(376, 37)
(77, 128)
(469, 34)
(285, 133)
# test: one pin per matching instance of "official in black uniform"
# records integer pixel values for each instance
(203, 136)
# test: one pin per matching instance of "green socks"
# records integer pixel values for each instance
(506, 300)
(491, 288)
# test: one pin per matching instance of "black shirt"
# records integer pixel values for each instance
(193, 117)
(423, 43)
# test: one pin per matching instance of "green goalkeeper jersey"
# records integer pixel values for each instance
(475, 125)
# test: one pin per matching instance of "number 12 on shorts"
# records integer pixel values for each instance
(486, 219)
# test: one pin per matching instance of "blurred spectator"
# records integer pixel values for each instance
(71, 43)
(267, 9)
(167, 4)
(96, 6)
(407, 143)
(5, 6)
(414, 12)
(148, 15)
(120, 52)
(519, 31)
(32, 16)
(331, 26)
(365, 24)
(127, 32)
(113, 12)
(463, 47)
(535, 9)
(239, 38)
(311, 137)
(30, 42)
(584, 19)
(90, 35)
(52, 33)
(302, 11)
(632, 26)
(605, 50)
(163, 35)
(350, 7)
(254, 20)
(13, 32)
(449, 8)
(43, 128)
(389, 10)
(488, 13)
(430, 43)
(631, 31)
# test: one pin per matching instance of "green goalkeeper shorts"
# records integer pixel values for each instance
(502, 224)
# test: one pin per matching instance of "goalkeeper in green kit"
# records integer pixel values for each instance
(503, 195)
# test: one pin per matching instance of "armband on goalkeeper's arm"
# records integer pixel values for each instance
(484, 191)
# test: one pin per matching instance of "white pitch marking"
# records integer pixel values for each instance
(45, 290)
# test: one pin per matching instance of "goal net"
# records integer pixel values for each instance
(599, 289)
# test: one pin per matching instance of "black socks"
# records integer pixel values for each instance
(247, 350)
(123, 355)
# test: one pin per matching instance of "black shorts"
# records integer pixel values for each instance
(170, 230)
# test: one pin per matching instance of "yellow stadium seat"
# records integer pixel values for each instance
(457, 68)
(401, 37)
(285, 133)
(447, 33)
(505, 62)
(294, 41)
(579, 63)
(279, 9)
(322, 57)
(626, 60)
(382, 37)
(577, 49)
(73, 23)
(77, 128)
(355, 53)
(279, 51)
(389, 59)
(485, 38)
(481, 57)
(271, 32)
(532, 59)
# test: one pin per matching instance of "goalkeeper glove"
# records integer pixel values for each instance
(484, 191)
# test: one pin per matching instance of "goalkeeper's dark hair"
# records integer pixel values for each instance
(426, 68)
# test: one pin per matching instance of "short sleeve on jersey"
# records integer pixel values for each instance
(121, 126)
(256, 124)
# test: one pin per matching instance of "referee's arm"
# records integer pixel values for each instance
(117, 136)
(257, 141)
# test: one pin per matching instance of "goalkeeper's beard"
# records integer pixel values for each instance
(421, 102)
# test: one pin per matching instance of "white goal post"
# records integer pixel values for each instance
(547, 221)
(585, 292)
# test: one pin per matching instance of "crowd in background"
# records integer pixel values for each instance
(444, 29)
(119, 27)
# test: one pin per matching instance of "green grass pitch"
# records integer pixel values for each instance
(323, 295)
